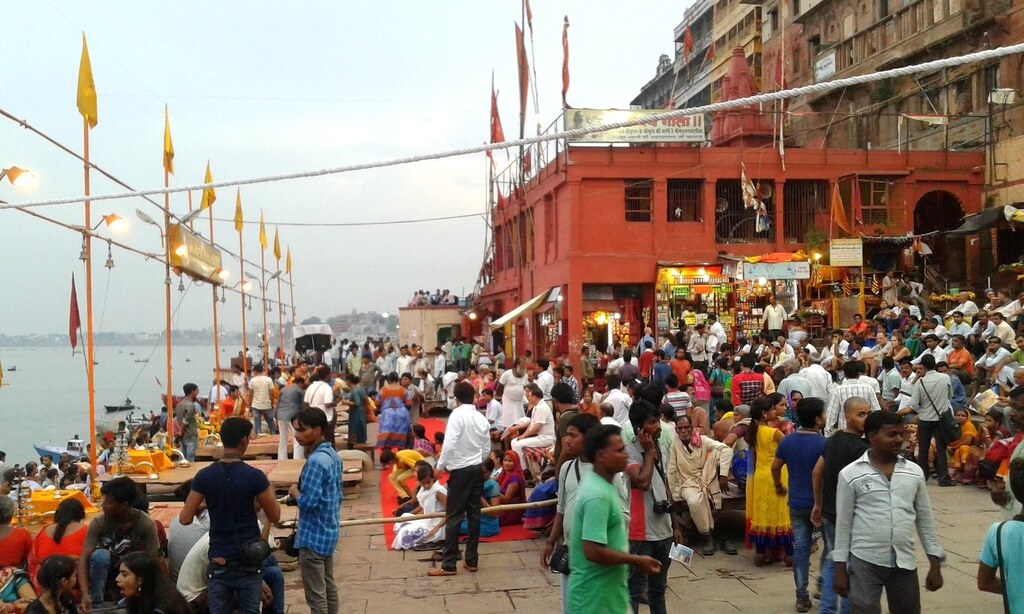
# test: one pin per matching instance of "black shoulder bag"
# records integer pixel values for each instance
(948, 425)
(251, 552)
(560, 555)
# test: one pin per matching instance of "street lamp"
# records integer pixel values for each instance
(19, 177)
(115, 223)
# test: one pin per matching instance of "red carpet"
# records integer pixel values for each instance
(389, 498)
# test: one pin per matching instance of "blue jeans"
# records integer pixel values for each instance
(655, 585)
(189, 445)
(233, 585)
(802, 530)
(274, 577)
(99, 575)
(829, 600)
(259, 415)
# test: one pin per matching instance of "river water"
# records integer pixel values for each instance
(45, 399)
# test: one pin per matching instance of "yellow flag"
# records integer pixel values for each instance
(209, 194)
(238, 211)
(87, 88)
(263, 232)
(168, 145)
(277, 246)
(288, 261)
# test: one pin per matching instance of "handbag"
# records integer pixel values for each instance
(560, 555)
(251, 552)
(948, 425)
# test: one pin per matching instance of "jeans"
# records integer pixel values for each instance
(284, 427)
(318, 582)
(902, 591)
(259, 415)
(829, 599)
(99, 575)
(231, 585)
(802, 530)
(655, 585)
(926, 430)
(189, 445)
(273, 575)
(465, 487)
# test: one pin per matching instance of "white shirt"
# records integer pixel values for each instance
(697, 347)
(543, 416)
(320, 395)
(871, 381)
(545, 381)
(939, 354)
(1010, 309)
(963, 328)
(774, 316)
(610, 421)
(1005, 333)
(819, 379)
(213, 393)
(182, 538)
(989, 361)
(404, 364)
(621, 402)
(192, 580)
(968, 308)
(467, 439)
(260, 386)
(440, 363)
(493, 413)
(711, 343)
(835, 417)
(718, 330)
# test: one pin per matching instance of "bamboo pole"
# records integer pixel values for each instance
(167, 304)
(216, 334)
(241, 286)
(265, 343)
(495, 509)
(90, 368)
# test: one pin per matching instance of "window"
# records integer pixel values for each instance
(773, 22)
(804, 203)
(639, 199)
(684, 200)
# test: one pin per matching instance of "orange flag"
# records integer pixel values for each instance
(263, 232)
(497, 133)
(75, 319)
(277, 246)
(565, 58)
(838, 212)
(524, 77)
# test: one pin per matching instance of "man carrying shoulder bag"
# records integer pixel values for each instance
(231, 489)
(930, 400)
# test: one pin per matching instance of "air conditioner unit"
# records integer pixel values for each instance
(1002, 96)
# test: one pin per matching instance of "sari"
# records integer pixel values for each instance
(505, 480)
(395, 429)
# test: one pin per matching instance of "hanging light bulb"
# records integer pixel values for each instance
(85, 254)
(110, 257)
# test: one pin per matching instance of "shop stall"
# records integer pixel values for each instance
(687, 293)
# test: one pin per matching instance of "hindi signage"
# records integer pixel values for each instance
(800, 269)
(846, 252)
(825, 67)
(688, 129)
(193, 255)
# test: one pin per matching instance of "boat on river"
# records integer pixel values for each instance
(12, 368)
(75, 448)
(126, 405)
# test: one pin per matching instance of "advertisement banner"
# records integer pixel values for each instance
(846, 252)
(777, 270)
(688, 129)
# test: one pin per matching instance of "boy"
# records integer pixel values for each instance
(404, 467)
(799, 453)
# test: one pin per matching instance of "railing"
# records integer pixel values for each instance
(734, 223)
(802, 202)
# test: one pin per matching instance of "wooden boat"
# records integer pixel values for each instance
(127, 405)
(12, 368)
(141, 360)
(75, 449)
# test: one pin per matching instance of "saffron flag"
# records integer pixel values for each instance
(838, 217)
(288, 261)
(524, 77)
(565, 58)
(527, 162)
(238, 211)
(277, 246)
(857, 206)
(87, 88)
(209, 194)
(263, 232)
(710, 55)
(497, 133)
(74, 320)
(168, 145)
(687, 45)
(529, 17)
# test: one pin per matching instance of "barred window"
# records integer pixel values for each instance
(639, 199)
(684, 200)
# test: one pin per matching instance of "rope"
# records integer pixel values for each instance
(496, 509)
(758, 99)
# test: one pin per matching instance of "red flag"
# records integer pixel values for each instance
(527, 162)
(838, 214)
(497, 134)
(565, 58)
(524, 77)
(710, 55)
(75, 320)
(529, 17)
(857, 208)
(687, 44)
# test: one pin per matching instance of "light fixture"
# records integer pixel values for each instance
(181, 250)
(167, 280)
(817, 256)
(110, 257)
(115, 223)
(472, 314)
(223, 299)
(145, 218)
(19, 177)
(601, 318)
(267, 305)
(192, 215)
(559, 298)
(85, 250)
(384, 315)
(181, 285)
(223, 274)
(761, 281)
(617, 316)
(249, 303)
(274, 276)
(246, 286)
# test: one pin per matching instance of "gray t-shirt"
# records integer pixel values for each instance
(290, 402)
(570, 475)
(651, 525)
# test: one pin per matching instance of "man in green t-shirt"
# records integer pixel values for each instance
(599, 551)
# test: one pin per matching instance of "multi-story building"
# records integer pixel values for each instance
(736, 24)
(602, 241)
(687, 79)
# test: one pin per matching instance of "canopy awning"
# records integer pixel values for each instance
(986, 219)
(600, 305)
(521, 310)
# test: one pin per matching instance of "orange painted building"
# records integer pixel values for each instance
(583, 240)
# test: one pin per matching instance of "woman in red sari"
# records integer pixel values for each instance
(512, 483)
(65, 536)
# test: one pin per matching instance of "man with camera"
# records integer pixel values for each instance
(650, 532)
(231, 488)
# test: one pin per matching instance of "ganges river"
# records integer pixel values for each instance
(45, 399)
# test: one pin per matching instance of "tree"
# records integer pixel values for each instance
(311, 320)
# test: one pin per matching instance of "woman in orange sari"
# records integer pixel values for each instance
(65, 536)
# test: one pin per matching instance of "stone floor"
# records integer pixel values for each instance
(371, 579)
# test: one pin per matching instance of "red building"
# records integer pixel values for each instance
(604, 240)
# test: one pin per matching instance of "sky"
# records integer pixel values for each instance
(261, 88)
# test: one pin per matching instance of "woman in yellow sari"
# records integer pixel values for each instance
(768, 524)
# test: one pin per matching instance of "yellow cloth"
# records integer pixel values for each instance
(407, 459)
(768, 512)
(43, 501)
(157, 459)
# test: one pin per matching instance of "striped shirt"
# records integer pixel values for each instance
(835, 417)
(319, 501)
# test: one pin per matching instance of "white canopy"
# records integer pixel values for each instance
(521, 310)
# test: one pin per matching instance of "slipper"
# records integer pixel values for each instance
(441, 572)
(708, 549)
(470, 568)
(726, 547)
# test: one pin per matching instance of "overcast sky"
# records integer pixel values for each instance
(263, 88)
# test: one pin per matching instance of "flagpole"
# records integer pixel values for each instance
(280, 312)
(90, 368)
(263, 290)
(241, 267)
(167, 303)
(216, 335)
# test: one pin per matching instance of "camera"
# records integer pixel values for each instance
(662, 507)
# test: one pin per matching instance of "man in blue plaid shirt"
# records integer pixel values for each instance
(318, 495)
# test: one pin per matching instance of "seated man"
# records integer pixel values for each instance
(698, 475)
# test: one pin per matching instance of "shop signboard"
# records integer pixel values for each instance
(686, 129)
(846, 252)
(777, 270)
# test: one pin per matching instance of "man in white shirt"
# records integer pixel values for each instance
(404, 362)
(545, 379)
(440, 363)
(967, 307)
(467, 442)
(1003, 329)
(774, 317)
(819, 379)
(218, 392)
(617, 399)
(986, 368)
(959, 327)
(537, 431)
(697, 348)
(261, 401)
(715, 328)
(835, 418)
(932, 348)
(319, 395)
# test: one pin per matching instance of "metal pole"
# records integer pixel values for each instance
(167, 304)
(216, 334)
(241, 287)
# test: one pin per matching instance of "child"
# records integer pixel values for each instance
(492, 411)
(961, 464)
(420, 442)
(432, 498)
(404, 461)
(438, 443)
(491, 496)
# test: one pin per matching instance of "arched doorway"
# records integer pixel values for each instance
(936, 211)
